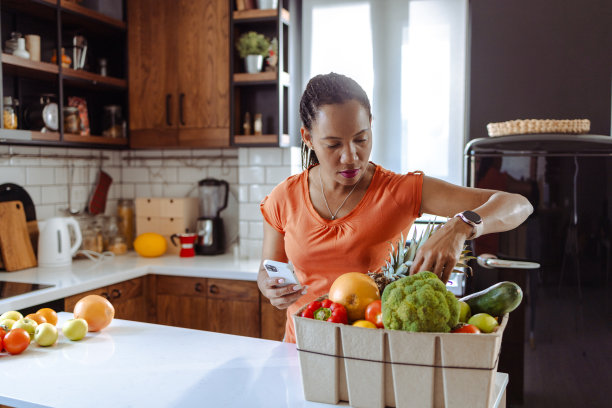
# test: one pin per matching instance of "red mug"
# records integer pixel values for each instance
(187, 241)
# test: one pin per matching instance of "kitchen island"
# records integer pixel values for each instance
(132, 364)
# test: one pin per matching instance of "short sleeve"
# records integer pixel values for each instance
(406, 190)
(271, 211)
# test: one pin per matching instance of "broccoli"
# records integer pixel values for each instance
(419, 303)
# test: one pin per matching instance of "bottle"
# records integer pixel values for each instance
(102, 63)
(66, 61)
(21, 49)
(257, 124)
(9, 114)
(247, 124)
(125, 211)
(10, 45)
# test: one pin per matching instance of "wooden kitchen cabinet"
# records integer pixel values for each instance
(272, 320)
(129, 299)
(179, 87)
(181, 301)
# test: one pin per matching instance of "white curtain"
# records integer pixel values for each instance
(410, 58)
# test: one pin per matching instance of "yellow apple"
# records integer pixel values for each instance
(75, 329)
(7, 324)
(28, 324)
(13, 315)
(45, 334)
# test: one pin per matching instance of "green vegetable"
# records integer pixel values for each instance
(496, 300)
(419, 303)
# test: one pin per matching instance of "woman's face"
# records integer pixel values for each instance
(341, 136)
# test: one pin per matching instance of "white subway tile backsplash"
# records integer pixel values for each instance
(15, 175)
(34, 193)
(177, 190)
(258, 192)
(54, 194)
(251, 174)
(40, 175)
(243, 156)
(45, 211)
(149, 190)
(243, 193)
(250, 212)
(164, 175)
(127, 191)
(243, 228)
(275, 175)
(191, 174)
(255, 230)
(265, 156)
(229, 174)
(135, 175)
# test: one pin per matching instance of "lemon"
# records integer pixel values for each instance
(365, 323)
(150, 245)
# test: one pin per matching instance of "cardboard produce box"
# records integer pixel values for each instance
(378, 368)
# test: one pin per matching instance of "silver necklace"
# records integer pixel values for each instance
(333, 215)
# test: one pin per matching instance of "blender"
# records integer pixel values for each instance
(209, 227)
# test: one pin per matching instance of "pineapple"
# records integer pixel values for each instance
(401, 258)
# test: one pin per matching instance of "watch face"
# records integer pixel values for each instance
(50, 116)
(472, 216)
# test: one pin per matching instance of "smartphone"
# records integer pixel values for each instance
(282, 270)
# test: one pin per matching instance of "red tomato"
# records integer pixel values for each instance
(338, 314)
(308, 313)
(16, 341)
(326, 303)
(466, 328)
(373, 313)
(2, 334)
(314, 305)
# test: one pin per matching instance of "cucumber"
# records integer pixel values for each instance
(496, 300)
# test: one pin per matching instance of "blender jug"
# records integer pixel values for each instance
(210, 229)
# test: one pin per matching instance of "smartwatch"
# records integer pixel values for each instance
(471, 218)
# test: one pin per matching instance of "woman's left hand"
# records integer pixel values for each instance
(442, 250)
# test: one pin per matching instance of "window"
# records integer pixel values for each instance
(410, 57)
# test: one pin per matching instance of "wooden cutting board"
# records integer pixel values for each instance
(15, 245)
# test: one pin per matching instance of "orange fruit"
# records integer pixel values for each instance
(355, 291)
(39, 319)
(48, 314)
(96, 310)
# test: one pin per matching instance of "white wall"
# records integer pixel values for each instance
(251, 173)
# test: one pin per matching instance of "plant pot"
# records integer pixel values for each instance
(253, 63)
(267, 4)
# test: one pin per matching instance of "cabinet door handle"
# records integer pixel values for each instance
(199, 287)
(168, 98)
(181, 99)
(115, 293)
(214, 289)
(105, 295)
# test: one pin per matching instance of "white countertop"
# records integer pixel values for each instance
(132, 364)
(84, 274)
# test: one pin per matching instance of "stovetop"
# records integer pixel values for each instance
(8, 289)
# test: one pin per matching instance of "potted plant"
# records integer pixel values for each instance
(253, 46)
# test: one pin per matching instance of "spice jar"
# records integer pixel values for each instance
(9, 113)
(112, 122)
(72, 122)
(125, 212)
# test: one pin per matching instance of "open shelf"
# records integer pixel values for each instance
(81, 11)
(261, 139)
(28, 135)
(243, 78)
(261, 15)
(73, 138)
(25, 67)
(76, 77)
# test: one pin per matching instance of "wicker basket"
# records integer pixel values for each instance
(525, 126)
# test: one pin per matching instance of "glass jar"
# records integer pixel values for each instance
(125, 212)
(9, 113)
(10, 45)
(72, 122)
(112, 122)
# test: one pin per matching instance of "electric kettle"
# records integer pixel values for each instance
(54, 242)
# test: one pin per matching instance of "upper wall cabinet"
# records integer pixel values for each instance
(260, 95)
(75, 98)
(179, 85)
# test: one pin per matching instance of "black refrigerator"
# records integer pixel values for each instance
(567, 308)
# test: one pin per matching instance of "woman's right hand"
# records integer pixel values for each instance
(280, 297)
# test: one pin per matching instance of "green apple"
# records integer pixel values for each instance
(45, 334)
(464, 312)
(75, 329)
(7, 324)
(13, 315)
(28, 324)
(485, 322)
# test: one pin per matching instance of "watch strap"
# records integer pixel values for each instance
(469, 222)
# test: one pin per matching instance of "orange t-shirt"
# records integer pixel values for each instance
(321, 249)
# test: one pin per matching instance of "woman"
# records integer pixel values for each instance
(340, 214)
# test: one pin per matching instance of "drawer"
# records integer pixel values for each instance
(228, 289)
(148, 224)
(181, 286)
(186, 208)
(126, 290)
(147, 206)
(175, 225)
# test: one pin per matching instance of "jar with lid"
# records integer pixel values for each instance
(125, 212)
(72, 121)
(113, 240)
(10, 45)
(112, 122)
(92, 235)
(9, 112)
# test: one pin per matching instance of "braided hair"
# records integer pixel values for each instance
(322, 90)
